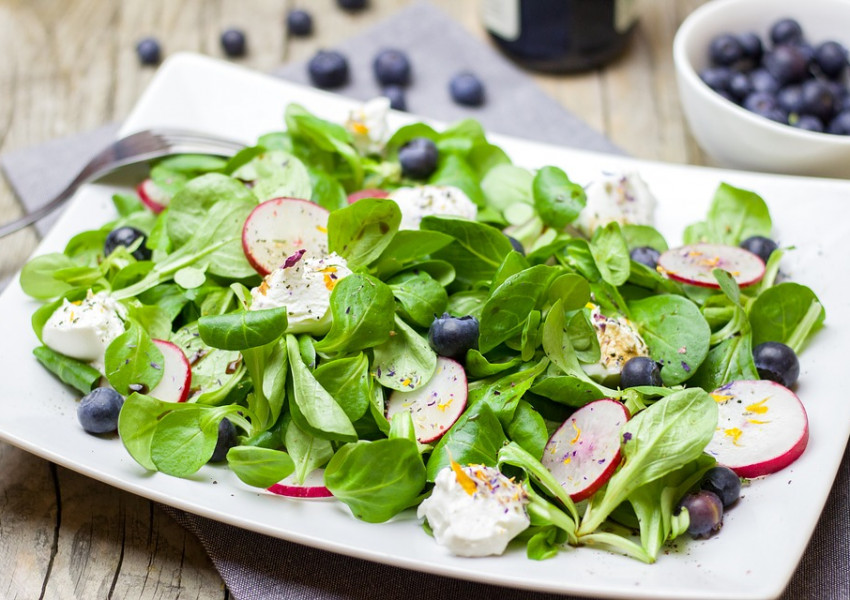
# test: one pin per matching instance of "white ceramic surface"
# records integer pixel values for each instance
(733, 136)
(762, 539)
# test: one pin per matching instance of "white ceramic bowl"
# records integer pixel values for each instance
(733, 136)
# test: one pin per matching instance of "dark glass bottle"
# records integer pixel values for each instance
(560, 35)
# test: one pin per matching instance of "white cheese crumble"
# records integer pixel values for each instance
(619, 341)
(443, 200)
(303, 284)
(475, 510)
(368, 125)
(83, 329)
(621, 197)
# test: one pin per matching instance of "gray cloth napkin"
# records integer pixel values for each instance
(257, 567)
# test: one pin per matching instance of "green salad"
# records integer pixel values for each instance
(334, 318)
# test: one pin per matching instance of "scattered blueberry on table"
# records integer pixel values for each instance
(784, 78)
(395, 94)
(392, 66)
(98, 410)
(352, 4)
(328, 69)
(299, 23)
(233, 42)
(418, 158)
(148, 51)
(467, 89)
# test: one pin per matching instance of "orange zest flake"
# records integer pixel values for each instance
(465, 481)
(359, 127)
(757, 422)
(721, 397)
(71, 318)
(77, 302)
(330, 280)
(321, 229)
(567, 460)
(264, 288)
(711, 262)
(759, 407)
(441, 405)
(578, 433)
(734, 433)
(694, 253)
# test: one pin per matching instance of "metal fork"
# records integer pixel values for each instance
(137, 147)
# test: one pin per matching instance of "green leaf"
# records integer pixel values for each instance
(405, 361)
(505, 185)
(137, 422)
(276, 174)
(244, 329)
(503, 393)
(611, 254)
(528, 429)
(73, 372)
(477, 250)
(183, 441)
(306, 451)
(361, 231)
(775, 313)
(38, 276)
(737, 214)
(362, 308)
(133, 359)
(349, 382)
(259, 467)
(377, 480)
(639, 236)
(421, 297)
(475, 438)
(557, 199)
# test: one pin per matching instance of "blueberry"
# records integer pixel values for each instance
(790, 98)
(233, 42)
(392, 67)
(705, 511)
(724, 482)
(752, 47)
(328, 69)
(465, 88)
(831, 58)
(418, 158)
(645, 255)
(98, 410)
(516, 244)
(818, 100)
(717, 78)
(640, 370)
(299, 23)
(352, 4)
(808, 123)
(740, 86)
(777, 362)
(226, 440)
(763, 81)
(807, 51)
(126, 236)
(759, 245)
(725, 49)
(786, 31)
(149, 51)
(840, 125)
(395, 93)
(765, 105)
(787, 64)
(452, 336)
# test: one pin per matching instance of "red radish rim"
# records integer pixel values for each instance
(776, 462)
(600, 478)
(155, 206)
(166, 346)
(672, 271)
(396, 400)
(310, 491)
(367, 193)
(263, 270)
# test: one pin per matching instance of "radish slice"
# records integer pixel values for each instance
(762, 427)
(368, 193)
(584, 452)
(279, 228)
(694, 264)
(176, 374)
(436, 405)
(312, 488)
(153, 196)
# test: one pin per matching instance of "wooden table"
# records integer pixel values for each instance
(70, 65)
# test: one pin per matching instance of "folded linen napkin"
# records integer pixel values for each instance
(257, 567)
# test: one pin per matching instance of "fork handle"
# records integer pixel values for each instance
(40, 212)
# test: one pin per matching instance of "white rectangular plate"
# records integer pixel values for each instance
(763, 537)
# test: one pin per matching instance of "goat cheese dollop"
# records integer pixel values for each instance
(442, 200)
(619, 340)
(368, 125)
(84, 328)
(475, 510)
(303, 284)
(621, 197)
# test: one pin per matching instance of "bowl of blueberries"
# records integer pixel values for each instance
(764, 84)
